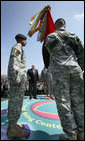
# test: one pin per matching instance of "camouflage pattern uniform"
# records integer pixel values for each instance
(49, 80)
(67, 65)
(16, 74)
(44, 79)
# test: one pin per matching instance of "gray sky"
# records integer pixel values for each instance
(15, 18)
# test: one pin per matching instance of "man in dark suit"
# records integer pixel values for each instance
(33, 78)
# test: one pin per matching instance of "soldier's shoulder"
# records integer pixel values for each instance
(71, 33)
(18, 47)
(52, 34)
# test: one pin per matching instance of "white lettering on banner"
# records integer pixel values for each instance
(38, 122)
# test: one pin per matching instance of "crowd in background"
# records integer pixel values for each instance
(5, 88)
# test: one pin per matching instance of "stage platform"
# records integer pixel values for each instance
(40, 115)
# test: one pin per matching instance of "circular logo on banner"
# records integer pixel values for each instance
(35, 109)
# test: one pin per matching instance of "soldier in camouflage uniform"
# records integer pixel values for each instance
(17, 78)
(44, 79)
(46, 76)
(67, 66)
(49, 83)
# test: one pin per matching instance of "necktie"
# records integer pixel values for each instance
(34, 72)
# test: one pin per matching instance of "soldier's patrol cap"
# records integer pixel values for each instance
(20, 36)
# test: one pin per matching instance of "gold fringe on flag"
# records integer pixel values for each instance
(36, 27)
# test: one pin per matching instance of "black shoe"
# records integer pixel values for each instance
(30, 98)
(35, 97)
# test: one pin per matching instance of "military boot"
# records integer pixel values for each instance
(62, 137)
(80, 136)
(22, 126)
(15, 131)
(72, 138)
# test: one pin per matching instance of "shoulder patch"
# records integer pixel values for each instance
(18, 47)
(17, 52)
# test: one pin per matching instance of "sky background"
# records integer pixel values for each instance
(15, 18)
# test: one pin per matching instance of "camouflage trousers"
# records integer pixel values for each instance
(69, 93)
(49, 81)
(15, 103)
(45, 88)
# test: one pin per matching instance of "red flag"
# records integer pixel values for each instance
(49, 25)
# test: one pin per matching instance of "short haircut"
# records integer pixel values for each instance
(59, 23)
(20, 37)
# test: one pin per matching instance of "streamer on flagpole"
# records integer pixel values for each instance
(44, 24)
